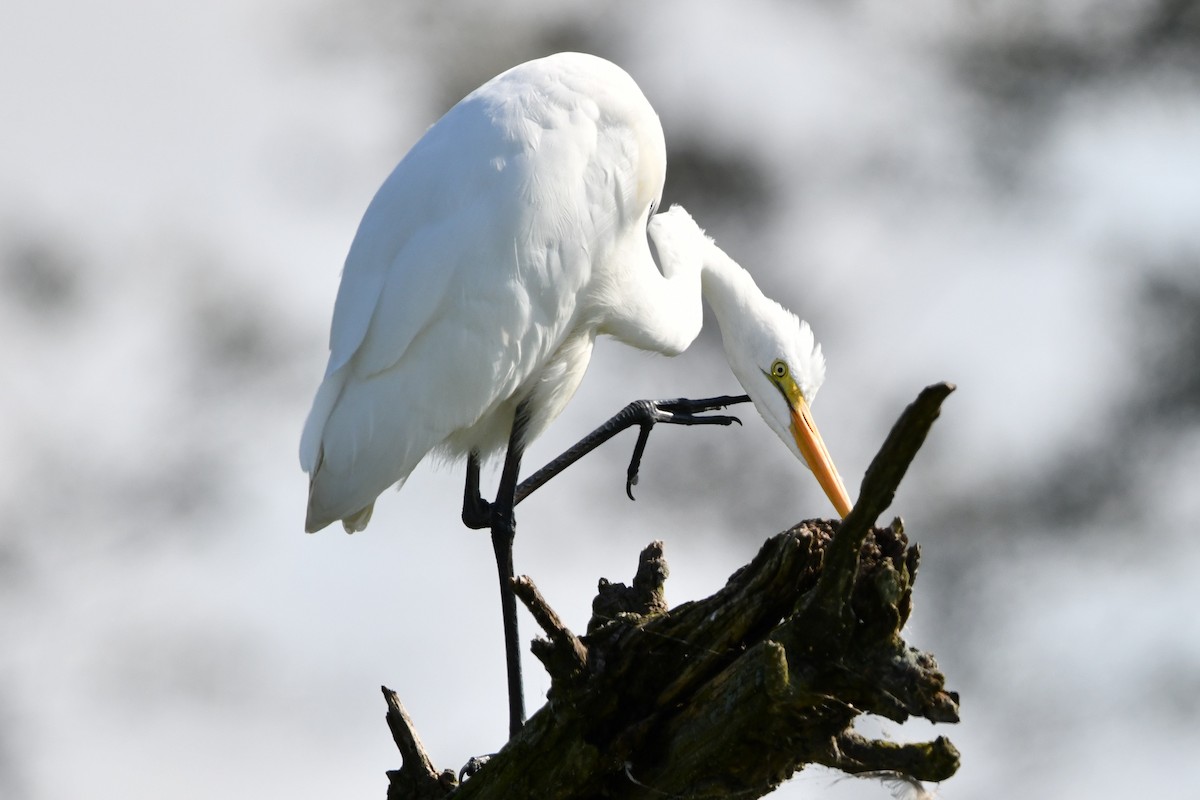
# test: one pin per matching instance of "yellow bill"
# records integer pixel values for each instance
(808, 439)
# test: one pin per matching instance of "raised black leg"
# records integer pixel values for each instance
(644, 414)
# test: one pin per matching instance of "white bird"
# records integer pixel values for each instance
(506, 240)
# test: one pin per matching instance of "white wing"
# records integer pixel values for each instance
(465, 277)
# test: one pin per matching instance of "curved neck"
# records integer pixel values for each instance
(729, 289)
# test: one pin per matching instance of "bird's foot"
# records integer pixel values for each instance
(641, 414)
(473, 765)
(476, 512)
(682, 411)
(479, 514)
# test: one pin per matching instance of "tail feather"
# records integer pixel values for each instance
(311, 457)
(314, 427)
(358, 520)
(318, 518)
(351, 456)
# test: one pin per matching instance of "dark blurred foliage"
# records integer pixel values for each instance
(39, 278)
(171, 477)
(1170, 346)
(1092, 488)
(1093, 495)
(726, 189)
(1022, 77)
(1021, 72)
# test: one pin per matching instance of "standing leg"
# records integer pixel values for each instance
(478, 513)
(504, 529)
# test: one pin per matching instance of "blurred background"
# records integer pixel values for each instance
(1003, 195)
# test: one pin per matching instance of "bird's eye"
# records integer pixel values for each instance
(779, 369)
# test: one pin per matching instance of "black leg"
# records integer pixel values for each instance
(476, 512)
(504, 530)
(644, 414)
(500, 518)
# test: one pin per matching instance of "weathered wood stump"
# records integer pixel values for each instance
(730, 695)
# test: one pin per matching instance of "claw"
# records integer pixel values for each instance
(631, 474)
(689, 412)
(471, 767)
(675, 412)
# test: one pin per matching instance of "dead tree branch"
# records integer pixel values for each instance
(730, 695)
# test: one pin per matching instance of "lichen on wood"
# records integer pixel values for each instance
(730, 695)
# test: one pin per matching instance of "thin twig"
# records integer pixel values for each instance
(417, 770)
(570, 657)
(876, 494)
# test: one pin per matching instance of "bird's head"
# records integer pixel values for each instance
(771, 351)
(777, 360)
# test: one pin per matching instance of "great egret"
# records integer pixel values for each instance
(510, 236)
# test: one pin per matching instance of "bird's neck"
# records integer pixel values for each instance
(728, 288)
